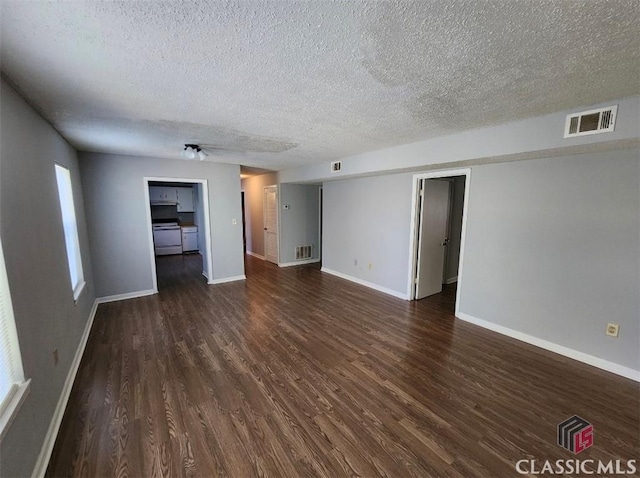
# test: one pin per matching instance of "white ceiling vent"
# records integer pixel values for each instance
(336, 166)
(602, 120)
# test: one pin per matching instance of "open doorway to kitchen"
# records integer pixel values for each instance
(179, 230)
(437, 236)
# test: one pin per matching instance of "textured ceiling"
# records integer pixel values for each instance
(277, 84)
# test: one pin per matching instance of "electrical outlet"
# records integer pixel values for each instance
(613, 329)
(370, 265)
(55, 357)
(234, 221)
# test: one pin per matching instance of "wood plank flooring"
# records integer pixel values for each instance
(297, 373)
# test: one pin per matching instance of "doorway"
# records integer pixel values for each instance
(320, 223)
(165, 188)
(437, 234)
(270, 216)
(244, 224)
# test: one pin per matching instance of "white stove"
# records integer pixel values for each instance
(167, 238)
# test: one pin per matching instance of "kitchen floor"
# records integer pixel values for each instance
(178, 270)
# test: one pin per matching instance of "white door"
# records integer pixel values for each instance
(271, 223)
(432, 239)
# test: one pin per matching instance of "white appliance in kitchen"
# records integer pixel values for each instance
(189, 239)
(167, 238)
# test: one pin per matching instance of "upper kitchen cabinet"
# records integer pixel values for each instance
(159, 194)
(155, 193)
(185, 199)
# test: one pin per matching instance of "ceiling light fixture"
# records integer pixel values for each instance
(190, 151)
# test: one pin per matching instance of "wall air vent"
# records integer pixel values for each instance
(602, 120)
(304, 252)
(336, 166)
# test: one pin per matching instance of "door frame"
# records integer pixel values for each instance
(264, 214)
(243, 200)
(320, 223)
(449, 214)
(207, 223)
(413, 230)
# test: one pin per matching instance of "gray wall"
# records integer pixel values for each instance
(552, 250)
(36, 259)
(299, 225)
(455, 228)
(539, 137)
(253, 188)
(367, 220)
(552, 245)
(116, 217)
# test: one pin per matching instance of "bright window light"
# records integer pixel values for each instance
(70, 225)
(13, 387)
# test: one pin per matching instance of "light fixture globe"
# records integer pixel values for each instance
(190, 151)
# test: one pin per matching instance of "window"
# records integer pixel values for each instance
(70, 230)
(13, 387)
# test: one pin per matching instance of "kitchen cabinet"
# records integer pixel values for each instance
(185, 199)
(189, 239)
(157, 193)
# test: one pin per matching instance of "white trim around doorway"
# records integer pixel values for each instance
(412, 235)
(208, 273)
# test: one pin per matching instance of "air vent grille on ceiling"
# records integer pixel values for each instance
(602, 120)
(336, 166)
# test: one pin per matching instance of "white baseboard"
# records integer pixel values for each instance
(299, 263)
(552, 347)
(227, 279)
(365, 283)
(451, 280)
(54, 426)
(256, 255)
(128, 295)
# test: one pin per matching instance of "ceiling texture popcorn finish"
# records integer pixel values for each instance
(278, 84)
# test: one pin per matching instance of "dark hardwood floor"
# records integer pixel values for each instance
(297, 373)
